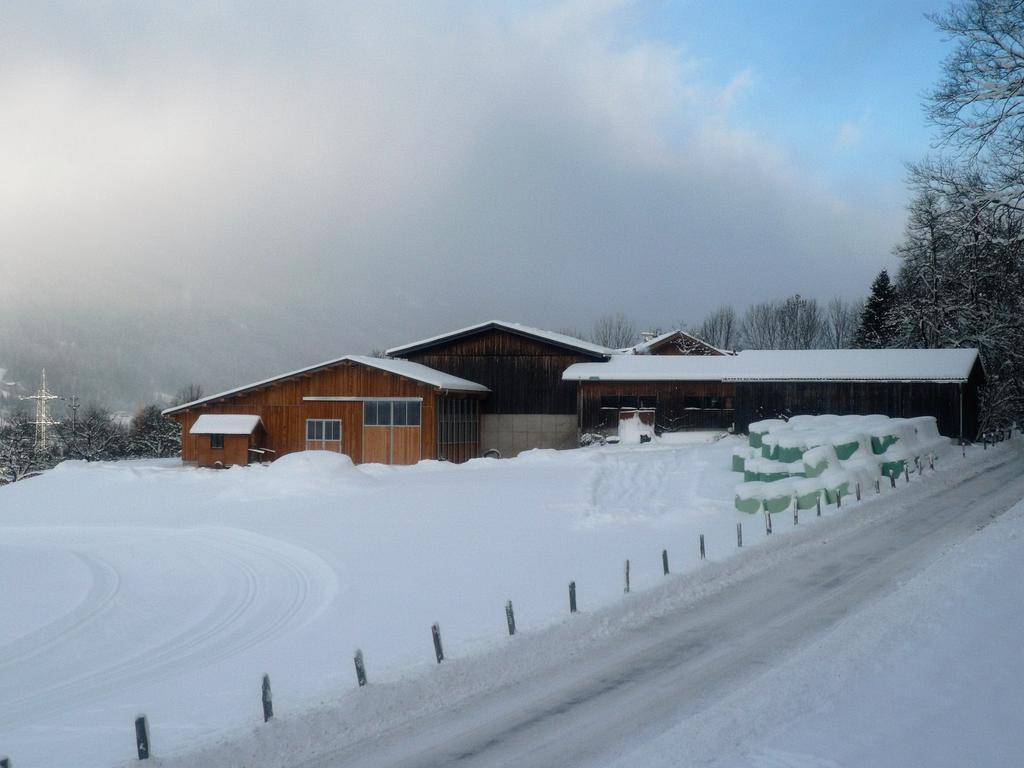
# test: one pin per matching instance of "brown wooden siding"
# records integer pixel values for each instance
(284, 412)
(763, 400)
(235, 450)
(523, 374)
(679, 405)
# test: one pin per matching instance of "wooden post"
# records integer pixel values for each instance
(878, 486)
(917, 464)
(739, 534)
(360, 668)
(796, 512)
(767, 523)
(572, 597)
(510, 616)
(818, 502)
(702, 553)
(664, 561)
(268, 699)
(858, 490)
(906, 471)
(435, 630)
(892, 478)
(142, 736)
(839, 498)
(626, 589)
(931, 461)
(963, 448)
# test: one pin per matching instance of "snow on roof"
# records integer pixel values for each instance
(653, 368)
(561, 339)
(644, 347)
(939, 365)
(224, 424)
(404, 368)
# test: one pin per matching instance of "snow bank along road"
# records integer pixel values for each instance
(625, 690)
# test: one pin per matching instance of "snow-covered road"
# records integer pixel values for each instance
(602, 706)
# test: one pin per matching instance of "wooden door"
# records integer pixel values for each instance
(376, 445)
(406, 444)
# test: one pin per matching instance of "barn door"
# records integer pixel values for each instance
(391, 431)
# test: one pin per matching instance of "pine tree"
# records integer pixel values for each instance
(878, 321)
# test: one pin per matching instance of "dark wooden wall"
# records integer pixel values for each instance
(675, 409)
(284, 412)
(523, 374)
(766, 400)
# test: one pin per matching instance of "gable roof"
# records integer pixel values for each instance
(932, 365)
(404, 368)
(549, 337)
(647, 347)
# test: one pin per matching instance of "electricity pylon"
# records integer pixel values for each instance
(43, 420)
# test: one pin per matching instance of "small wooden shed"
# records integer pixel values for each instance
(372, 409)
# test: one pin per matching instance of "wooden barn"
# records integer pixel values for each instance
(943, 383)
(372, 409)
(731, 391)
(686, 392)
(530, 404)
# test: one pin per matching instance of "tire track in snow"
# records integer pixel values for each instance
(105, 583)
(236, 621)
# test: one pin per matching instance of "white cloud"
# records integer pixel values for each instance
(399, 169)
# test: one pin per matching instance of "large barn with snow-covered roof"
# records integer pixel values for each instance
(731, 391)
(530, 405)
(371, 409)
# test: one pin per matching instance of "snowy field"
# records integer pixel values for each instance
(146, 586)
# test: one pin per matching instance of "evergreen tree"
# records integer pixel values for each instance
(878, 321)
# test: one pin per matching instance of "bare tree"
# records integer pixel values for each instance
(615, 331)
(801, 323)
(761, 327)
(840, 323)
(187, 394)
(720, 328)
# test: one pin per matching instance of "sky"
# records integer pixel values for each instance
(359, 175)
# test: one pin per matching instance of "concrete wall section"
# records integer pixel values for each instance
(512, 433)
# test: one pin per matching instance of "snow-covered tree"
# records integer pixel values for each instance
(19, 458)
(879, 326)
(153, 435)
(94, 436)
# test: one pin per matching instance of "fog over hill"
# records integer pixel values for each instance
(187, 198)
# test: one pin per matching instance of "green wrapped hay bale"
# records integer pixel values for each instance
(740, 456)
(807, 493)
(758, 429)
(891, 467)
(749, 496)
(818, 460)
(881, 443)
(835, 482)
(768, 471)
(778, 496)
(789, 454)
(848, 443)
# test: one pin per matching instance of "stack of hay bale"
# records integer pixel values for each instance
(811, 458)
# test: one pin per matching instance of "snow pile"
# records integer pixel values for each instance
(827, 457)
